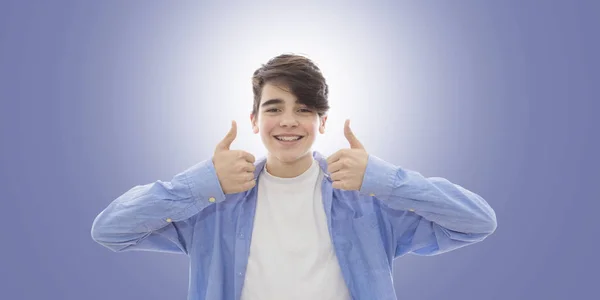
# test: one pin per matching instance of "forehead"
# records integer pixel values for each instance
(274, 92)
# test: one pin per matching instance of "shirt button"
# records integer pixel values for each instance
(211, 199)
(169, 220)
(411, 209)
(240, 273)
(241, 235)
(372, 194)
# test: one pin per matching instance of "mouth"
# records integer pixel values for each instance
(288, 140)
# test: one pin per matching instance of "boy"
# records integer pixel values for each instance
(294, 225)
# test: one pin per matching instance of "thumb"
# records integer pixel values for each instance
(354, 143)
(228, 139)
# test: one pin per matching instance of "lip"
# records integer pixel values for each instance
(288, 143)
(288, 135)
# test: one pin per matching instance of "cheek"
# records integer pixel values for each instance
(312, 128)
(266, 126)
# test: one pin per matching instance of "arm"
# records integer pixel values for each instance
(428, 215)
(158, 216)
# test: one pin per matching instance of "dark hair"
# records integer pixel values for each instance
(297, 73)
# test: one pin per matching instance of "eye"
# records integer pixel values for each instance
(301, 109)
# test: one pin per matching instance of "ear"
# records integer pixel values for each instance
(253, 123)
(322, 125)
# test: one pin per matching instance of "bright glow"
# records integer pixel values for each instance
(341, 47)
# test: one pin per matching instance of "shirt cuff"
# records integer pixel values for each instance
(204, 184)
(380, 178)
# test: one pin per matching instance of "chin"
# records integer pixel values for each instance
(289, 156)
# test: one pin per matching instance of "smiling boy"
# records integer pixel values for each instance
(294, 224)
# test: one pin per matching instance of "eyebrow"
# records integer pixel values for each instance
(274, 101)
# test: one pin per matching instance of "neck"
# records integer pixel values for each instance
(288, 169)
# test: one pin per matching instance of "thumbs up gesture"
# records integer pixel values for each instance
(347, 166)
(235, 168)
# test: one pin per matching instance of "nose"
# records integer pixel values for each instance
(288, 120)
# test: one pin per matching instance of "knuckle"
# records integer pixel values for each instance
(239, 167)
(249, 185)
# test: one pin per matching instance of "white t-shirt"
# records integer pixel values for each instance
(291, 254)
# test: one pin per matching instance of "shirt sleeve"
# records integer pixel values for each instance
(429, 216)
(158, 216)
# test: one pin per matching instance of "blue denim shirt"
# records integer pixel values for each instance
(397, 211)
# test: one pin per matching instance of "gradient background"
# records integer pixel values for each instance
(498, 97)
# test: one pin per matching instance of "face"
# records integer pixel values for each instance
(279, 116)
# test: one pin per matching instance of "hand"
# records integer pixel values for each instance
(235, 168)
(347, 166)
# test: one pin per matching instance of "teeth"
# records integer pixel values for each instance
(285, 138)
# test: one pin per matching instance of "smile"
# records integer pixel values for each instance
(288, 138)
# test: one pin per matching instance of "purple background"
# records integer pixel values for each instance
(504, 96)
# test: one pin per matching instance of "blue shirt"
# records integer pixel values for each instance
(397, 211)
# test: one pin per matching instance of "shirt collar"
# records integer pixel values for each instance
(322, 160)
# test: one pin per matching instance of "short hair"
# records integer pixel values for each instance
(297, 73)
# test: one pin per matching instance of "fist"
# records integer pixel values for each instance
(235, 168)
(347, 166)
